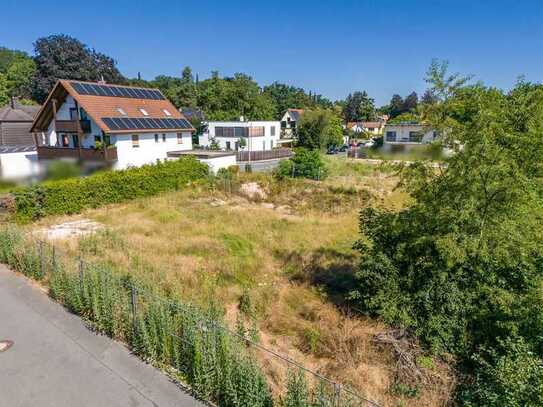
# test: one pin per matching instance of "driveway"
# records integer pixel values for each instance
(55, 361)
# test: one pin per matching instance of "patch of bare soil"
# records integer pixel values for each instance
(70, 230)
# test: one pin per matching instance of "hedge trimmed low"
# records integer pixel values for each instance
(75, 194)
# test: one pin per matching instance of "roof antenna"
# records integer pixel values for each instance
(102, 81)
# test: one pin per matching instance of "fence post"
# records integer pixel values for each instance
(337, 395)
(81, 271)
(134, 304)
(53, 259)
(42, 265)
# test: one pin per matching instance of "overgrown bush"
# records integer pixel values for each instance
(303, 164)
(75, 194)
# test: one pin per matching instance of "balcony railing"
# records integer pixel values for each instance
(70, 126)
(87, 154)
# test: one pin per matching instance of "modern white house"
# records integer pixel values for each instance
(242, 135)
(408, 133)
(98, 123)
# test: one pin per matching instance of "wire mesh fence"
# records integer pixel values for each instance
(197, 347)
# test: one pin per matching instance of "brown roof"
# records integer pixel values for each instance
(98, 107)
(15, 111)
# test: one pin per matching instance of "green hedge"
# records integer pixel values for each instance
(75, 194)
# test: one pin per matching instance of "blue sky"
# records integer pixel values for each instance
(329, 47)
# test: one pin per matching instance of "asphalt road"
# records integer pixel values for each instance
(56, 361)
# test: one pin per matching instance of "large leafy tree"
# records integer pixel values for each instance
(17, 70)
(358, 106)
(319, 128)
(64, 57)
(462, 267)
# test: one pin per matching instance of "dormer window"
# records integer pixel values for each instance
(166, 112)
(121, 111)
(144, 112)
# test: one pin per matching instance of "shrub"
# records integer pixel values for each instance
(304, 164)
(75, 194)
(62, 169)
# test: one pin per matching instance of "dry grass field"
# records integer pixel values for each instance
(277, 262)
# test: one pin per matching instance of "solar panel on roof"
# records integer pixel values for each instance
(108, 90)
(147, 123)
(110, 123)
(87, 88)
(78, 88)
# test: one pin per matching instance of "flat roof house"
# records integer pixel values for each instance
(122, 126)
(242, 135)
(408, 133)
(18, 157)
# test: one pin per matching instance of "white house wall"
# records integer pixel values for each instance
(149, 151)
(267, 142)
(19, 165)
(402, 134)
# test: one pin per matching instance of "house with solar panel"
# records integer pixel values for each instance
(99, 123)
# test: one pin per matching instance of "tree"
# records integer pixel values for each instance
(64, 57)
(19, 77)
(4, 97)
(428, 98)
(461, 266)
(410, 103)
(359, 107)
(9, 56)
(319, 129)
(395, 108)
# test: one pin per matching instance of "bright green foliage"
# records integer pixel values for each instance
(19, 77)
(75, 194)
(511, 375)
(462, 267)
(4, 96)
(303, 164)
(319, 129)
(290, 97)
(297, 393)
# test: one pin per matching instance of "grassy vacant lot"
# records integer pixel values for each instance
(277, 263)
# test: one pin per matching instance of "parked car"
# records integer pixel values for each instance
(369, 143)
(343, 148)
(332, 150)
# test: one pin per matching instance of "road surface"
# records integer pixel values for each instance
(56, 361)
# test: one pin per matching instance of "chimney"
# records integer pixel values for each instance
(12, 102)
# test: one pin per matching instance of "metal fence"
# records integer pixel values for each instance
(328, 392)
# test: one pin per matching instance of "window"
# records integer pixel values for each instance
(256, 131)
(273, 130)
(65, 140)
(179, 138)
(163, 137)
(391, 136)
(144, 112)
(97, 139)
(228, 145)
(121, 111)
(135, 140)
(156, 138)
(107, 140)
(415, 136)
(166, 112)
